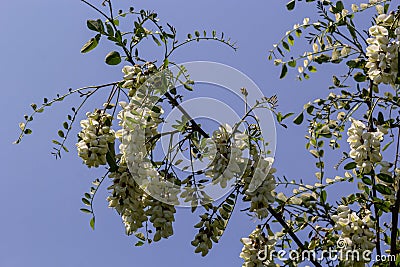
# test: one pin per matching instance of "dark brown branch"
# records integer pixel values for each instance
(395, 212)
(287, 228)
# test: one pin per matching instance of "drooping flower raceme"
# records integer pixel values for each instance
(127, 199)
(225, 150)
(95, 138)
(356, 231)
(365, 146)
(257, 249)
(136, 207)
(139, 121)
(264, 194)
(383, 50)
(136, 76)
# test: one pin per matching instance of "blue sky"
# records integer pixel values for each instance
(41, 224)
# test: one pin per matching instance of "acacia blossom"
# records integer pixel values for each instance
(365, 146)
(94, 138)
(127, 199)
(383, 50)
(356, 231)
(257, 249)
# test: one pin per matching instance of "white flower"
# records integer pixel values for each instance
(363, 6)
(365, 146)
(225, 152)
(127, 199)
(356, 230)
(257, 250)
(261, 187)
(382, 51)
(94, 138)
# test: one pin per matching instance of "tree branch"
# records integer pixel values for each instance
(279, 218)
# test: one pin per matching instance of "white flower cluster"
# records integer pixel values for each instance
(209, 232)
(257, 250)
(136, 207)
(135, 76)
(225, 151)
(383, 49)
(261, 187)
(127, 199)
(365, 146)
(355, 231)
(161, 216)
(362, 6)
(139, 120)
(94, 138)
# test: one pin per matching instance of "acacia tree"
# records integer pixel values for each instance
(144, 187)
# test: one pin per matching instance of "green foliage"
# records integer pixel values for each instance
(305, 210)
(113, 58)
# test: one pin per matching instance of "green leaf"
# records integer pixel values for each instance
(299, 119)
(179, 161)
(156, 40)
(139, 244)
(156, 109)
(110, 158)
(386, 178)
(387, 145)
(92, 223)
(359, 77)
(56, 142)
(366, 181)
(86, 211)
(335, 80)
(61, 134)
(290, 40)
(283, 71)
(350, 166)
(188, 87)
(314, 153)
(91, 44)
(85, 201)
(110, 29)
(292, 63)
(339, 6)
(323, 196)
(290, 6)
(113, 58)
(312, 69)
(383, 189)
(286, 46)
(166, 63)
(140, 236)
(95, 25)
(287, 115)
